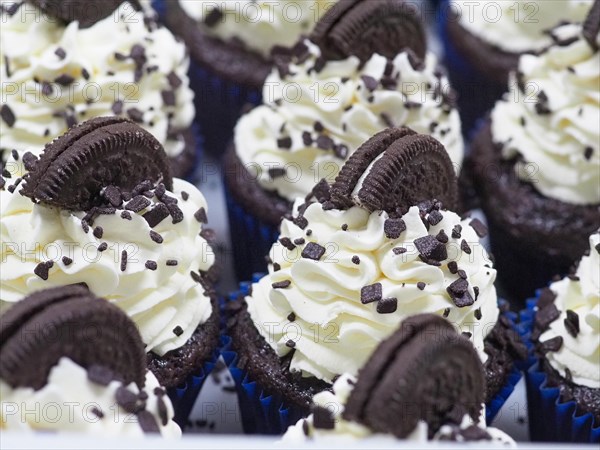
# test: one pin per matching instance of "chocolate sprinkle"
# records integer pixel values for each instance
(431, 249)
(588, 152)
(370, 82)
(421, 285)
(371, 293)
(434, 217)
(459, 293)
(156, 215)
(572, 323)
(287, 243)
(393, 228)
(67, 261)
(200, 215)
(281, 284)
(446, 312)
(323, 418)
(177, 331)
(285, 142)
(7, 115)
(171, 262)
(399, 250)
(123, 260)
(291, 317)
(453, 267)
(102, 247)
(137, 203)
(355, 260)
(151, 265)
(465, 247)
(442, 237)
(64, 79)
(387, 305)
(43, 268)
(126, 215)
(478, 314)
(456, 231)
(290, 343)
(313, 251)
(480, 229)
(147, 422)
(60, 52)
(156, 237)
(98, 232)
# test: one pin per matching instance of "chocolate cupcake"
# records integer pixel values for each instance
(100, 207)
(92, 382)
(423, 383)
(318, 108)
(66, 62)
(483, 43)
(233, 43)
(535, 162)
(564, 385)
(359, 257)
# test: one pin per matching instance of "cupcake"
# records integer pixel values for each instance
(564, 385)
(354, 261)
(535, 162)
(100, 207)
(423, 383)
(233, 44)
(318, 109)
(62, 66)
(483, 43)
(86, 382)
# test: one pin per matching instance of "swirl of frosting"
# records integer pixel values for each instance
(259, 25)
(307, 430)
(143, 269)
(74, 403)
(313, 116)
(550, 119)
(517, 26)
(56, 75)
(336, 276)
(580, 295)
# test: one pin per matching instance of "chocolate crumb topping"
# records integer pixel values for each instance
(42, 269)
(281, 284)
(393, 228)
(371, 293)
(387, 305)
(151, 265)
(355, 260)
(178, 331)
(572, 323)
(313, 251)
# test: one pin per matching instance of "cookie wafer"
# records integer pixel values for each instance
(424, 371)
(74, 168)
(68, 322)
(86, 12)
(363, 27)
(404, 168)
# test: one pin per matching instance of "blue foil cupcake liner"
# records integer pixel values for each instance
(550, 419)
(251, 239)
(495, 404)
(465, 78)
(261, 412)
(219, 104)
(184, 396)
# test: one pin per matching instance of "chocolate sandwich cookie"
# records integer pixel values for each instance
(406, 168)
(425, 371)
(68, 322)
(102, 152)
(358, 28)
(108, 164)
(86, 12)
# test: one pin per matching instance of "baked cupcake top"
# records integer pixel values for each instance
(360, 257)
(549, 119)
(317, 112)
(572, 337)
(136, 241)
(257, 25)
(58, 74)
(87, 382)
(519, 26)
(347, 412)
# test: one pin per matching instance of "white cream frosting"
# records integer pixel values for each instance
(333, 331)
(520, 25)
(261, 24)
(560, 149)
(581, 354)
(345, 430)
(29, 41)
(68, 401)
(293, 103)
(158, 300)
